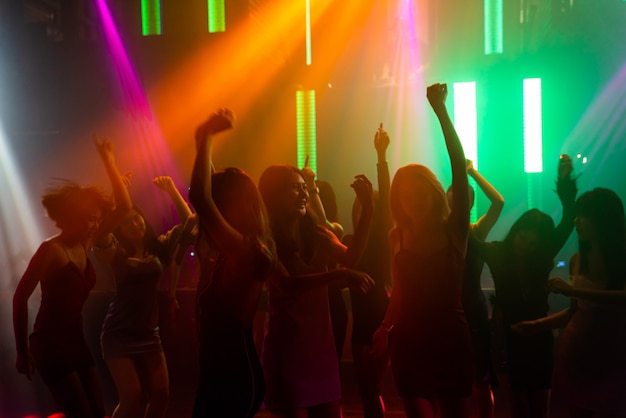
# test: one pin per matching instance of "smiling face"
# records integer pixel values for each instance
(295, 196)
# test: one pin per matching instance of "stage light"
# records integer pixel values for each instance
(151, 17)
(465, 122)
(533, 136)
(217, 16)
(494, 27)
(308, 32)
(306, 129)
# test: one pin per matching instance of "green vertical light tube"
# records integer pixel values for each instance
(216, 16)
(494, 26)
(306, 128)
(308, 32)
(466, 125)
(151, 17)
(533, 135)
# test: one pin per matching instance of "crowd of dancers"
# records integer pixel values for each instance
(412, 264)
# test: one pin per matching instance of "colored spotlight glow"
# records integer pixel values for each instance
(465, 121)
(494, 27)
(18, 235)
(308, 32)
(151, 17)
(217, 16)
(533, 136)
(306, 129)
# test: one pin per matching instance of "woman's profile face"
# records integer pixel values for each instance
(295, 196)
(133, 227)
(84, 222)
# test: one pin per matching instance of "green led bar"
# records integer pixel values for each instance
(466, 125)
(151, 17)
(308, 32)
(494, 27)
(217, 16)
(533, 137)
(305, 128)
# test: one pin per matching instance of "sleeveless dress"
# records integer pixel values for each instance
(57, 343)
(429, 345)
(590, 370)
(131, 324)
(231, 378)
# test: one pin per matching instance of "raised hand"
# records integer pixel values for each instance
(566, 167)
(104, 148)
(164, 183)
(437, 94)
(222, 120)
(126, 178)
(308, 173)
(381, 140)
(364, 191)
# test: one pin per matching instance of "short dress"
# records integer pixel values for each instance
(131, 326)
(429, 346)
(57, 344)
(590, 369)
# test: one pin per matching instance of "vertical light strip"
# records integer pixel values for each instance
(533, 137)
(494, 27)
(466, 124)
(308, 32)
(217, 16)
(151, 17)
(306, 128)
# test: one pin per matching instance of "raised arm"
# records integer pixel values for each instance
(363, 189)
(487, 221)
(212, 223)
(123, 203)
(315, 202)
(459, 215)
(381, 143)
(166, 184)
(566, 189)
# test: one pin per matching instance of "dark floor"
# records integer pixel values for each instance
(20, 398)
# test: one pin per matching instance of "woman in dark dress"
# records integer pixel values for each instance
(57, 348)
(520, 266)
(236, 253)
(429, 343)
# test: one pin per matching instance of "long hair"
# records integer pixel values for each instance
(150, 241)
(606, 211)
(63, 201)
(541, 224)
(413, 174)
(273, 184)
(241, 205)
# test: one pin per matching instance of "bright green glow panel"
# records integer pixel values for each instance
(217, 16)
(305, 128)
(308, 32)
(533, 137)
(465, 122)
(151, 17)
(494, 27)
